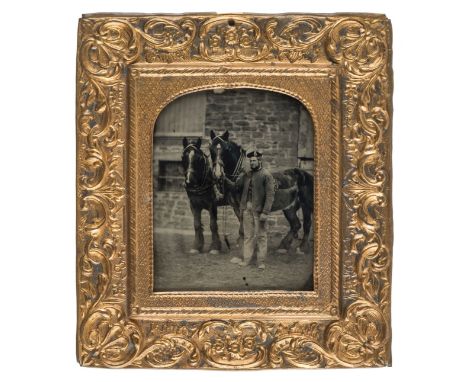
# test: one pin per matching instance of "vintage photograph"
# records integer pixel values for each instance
(233, 192)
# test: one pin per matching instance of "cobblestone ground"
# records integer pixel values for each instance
(177, 270)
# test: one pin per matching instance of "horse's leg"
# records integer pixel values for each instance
(197, 225)
(215, 246)
(238, 213)
(234, 201)
(305, 246)
(295, 226)
(307, 204)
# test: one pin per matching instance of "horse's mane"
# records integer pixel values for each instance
(237, 153)
(238, 148)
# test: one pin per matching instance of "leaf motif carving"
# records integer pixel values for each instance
(297, 38)
(109, 339)
(356, 46)
(167, 35)
(299, 352)
(106, 51)
(170, 351)
(361, 338)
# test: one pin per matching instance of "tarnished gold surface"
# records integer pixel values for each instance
(338, 66)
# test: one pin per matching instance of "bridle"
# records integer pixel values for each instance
(240, 161)
(205, 184)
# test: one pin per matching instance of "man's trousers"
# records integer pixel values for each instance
(254, 234)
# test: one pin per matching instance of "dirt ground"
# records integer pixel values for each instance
(177, 270)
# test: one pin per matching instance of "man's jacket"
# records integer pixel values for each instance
(263, 189)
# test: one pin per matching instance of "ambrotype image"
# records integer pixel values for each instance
(233, 193)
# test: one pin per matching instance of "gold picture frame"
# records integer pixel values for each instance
(128, 68)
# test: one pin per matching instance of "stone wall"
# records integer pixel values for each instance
(260, 118)
(172, 213)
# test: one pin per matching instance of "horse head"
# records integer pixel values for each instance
(226, 155)
(194, 162)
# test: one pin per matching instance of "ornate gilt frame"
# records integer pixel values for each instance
(124, 62)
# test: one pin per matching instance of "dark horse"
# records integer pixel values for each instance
(199, 185)
(228, 158)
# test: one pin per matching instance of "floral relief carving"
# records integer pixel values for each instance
(106, 48)
(363, 52)
(231, 344)
(107, 336)
(231, 39)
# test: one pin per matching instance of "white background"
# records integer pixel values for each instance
(37, 156)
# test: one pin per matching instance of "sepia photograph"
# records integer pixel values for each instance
(233, 192)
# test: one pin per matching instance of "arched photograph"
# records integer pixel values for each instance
(233, 193)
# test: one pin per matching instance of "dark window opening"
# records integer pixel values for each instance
(170, 176)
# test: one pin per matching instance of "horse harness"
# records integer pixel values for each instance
(237, 170)
(205, 184)
(240, 161)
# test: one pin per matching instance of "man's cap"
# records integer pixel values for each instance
(253, 153)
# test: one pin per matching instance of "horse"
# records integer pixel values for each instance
(199, 185)
(228, 160)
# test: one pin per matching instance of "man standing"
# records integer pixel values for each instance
(257, 198)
